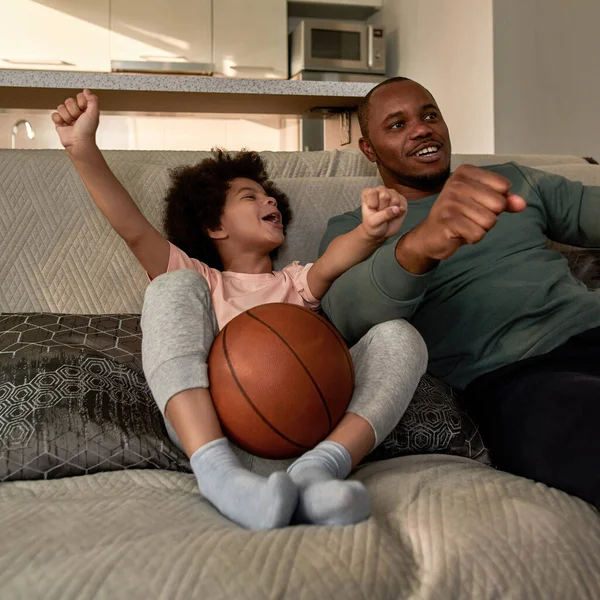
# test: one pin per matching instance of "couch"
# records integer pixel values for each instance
(95, 502)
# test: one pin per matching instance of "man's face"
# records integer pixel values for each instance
(407, 137)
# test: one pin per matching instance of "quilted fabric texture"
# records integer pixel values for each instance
(442, 528)
(61, 255)
(74, 401)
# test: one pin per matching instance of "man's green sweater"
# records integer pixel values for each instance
(490, 304)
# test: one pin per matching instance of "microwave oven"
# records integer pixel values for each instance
(323, 45)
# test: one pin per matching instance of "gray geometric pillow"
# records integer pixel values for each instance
(74, 400)
(434, 422)
(584, 263)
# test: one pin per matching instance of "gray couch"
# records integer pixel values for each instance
(134, 524)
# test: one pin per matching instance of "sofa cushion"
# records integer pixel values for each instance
(61, 255)
(314, 201)
(537, 161)
(443, 528)
(586, 173)
(74, 400)
(434, 422)
(583, 262)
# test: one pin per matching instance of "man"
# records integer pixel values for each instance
(503, 318)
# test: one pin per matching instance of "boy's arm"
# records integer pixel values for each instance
(76, 122)
(147, 244)
(376, 290)
(383, 213)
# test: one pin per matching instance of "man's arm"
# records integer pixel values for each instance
(392, 282)
(572, 209)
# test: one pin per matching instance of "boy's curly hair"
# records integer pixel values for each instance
(196, 200)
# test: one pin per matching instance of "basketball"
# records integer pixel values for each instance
(281, 379)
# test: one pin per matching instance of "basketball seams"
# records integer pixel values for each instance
(300, 361)
(248, 399)
(339, 340)
(281, 328)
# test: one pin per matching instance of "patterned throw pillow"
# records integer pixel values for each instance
(433, 423)
(74, 400)
(584, 263)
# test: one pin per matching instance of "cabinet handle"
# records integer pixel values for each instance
(147, 66)
(42, 61)
(370, 46)
(152, 58)
(252, 68)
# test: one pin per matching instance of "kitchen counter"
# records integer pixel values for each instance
(124, 92)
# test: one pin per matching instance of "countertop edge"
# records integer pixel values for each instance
(179, 83)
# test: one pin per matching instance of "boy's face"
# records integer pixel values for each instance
(250, 220)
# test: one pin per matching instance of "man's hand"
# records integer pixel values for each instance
(466, 209)
(77, 120)
(383, 212)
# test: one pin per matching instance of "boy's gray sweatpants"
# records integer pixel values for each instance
(179, 326)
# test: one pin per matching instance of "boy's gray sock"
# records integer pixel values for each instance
(325, 499)
(250, 500)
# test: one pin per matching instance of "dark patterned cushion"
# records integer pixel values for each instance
(433, 423)
(583, 262)
(74, 400)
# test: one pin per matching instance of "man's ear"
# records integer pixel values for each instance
(217, 234)
(366, 149)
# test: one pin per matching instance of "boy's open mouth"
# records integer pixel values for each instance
(274, 218)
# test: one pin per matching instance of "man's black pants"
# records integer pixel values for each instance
(540, 417)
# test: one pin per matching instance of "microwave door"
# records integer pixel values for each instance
(339, 48)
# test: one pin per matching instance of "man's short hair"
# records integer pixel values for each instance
(363, 107)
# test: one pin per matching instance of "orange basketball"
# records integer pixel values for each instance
(281, 378)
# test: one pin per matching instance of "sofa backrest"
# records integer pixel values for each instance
(59, 254)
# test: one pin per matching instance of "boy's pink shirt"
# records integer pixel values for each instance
(233, 293)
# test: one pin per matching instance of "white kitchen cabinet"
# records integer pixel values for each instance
(354, 10)
(373, 3)
(158, 31)
(250, 38)
(71, 36)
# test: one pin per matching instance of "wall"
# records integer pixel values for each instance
(447, 46)
(164, 132)
(547, 76)
(335, 139)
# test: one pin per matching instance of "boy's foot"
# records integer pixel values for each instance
(325, 497)
(247, 499)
